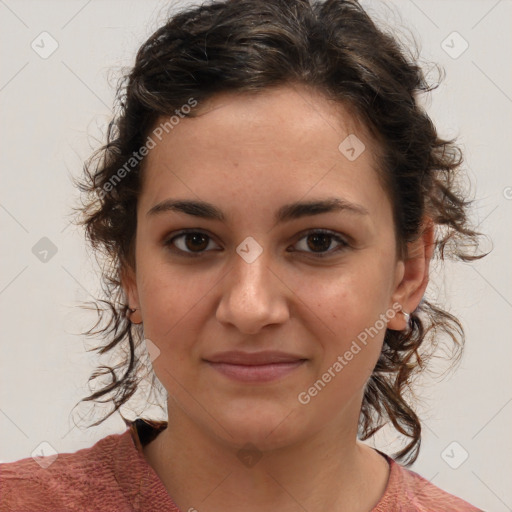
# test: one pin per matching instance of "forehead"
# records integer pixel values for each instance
(285, 141)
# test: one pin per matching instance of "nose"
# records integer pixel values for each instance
(253, 296)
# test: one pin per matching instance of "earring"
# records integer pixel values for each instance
(135, 316)
(407, 317)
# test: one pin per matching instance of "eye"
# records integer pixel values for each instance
(191, 243)
(320, 243)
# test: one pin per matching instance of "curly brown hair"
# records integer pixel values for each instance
(247, 46)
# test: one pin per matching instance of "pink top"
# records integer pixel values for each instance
(113, 475)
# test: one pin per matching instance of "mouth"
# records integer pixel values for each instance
(256, 366)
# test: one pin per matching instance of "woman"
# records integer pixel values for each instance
(270, 197)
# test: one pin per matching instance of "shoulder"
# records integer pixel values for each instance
(65, 481)
(407, 491)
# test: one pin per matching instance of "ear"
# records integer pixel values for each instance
(129, 285)
(414, 276)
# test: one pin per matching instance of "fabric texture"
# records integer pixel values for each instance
(114, 476)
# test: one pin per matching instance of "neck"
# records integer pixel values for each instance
(331, 470)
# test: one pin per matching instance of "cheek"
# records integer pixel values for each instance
(172, 299)
(347, 299)
(345, 315)
(348, 350)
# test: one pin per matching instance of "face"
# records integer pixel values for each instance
(257, 296)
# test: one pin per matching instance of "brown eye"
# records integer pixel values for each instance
(192, 243)
(320, 243)
(196, 241)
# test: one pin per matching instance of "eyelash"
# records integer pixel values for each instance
(343, 244)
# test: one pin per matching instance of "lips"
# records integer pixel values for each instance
(254, 358)
(255, 366)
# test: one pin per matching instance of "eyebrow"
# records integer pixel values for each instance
(286, 213)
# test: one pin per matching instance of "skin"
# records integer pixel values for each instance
(249, 155)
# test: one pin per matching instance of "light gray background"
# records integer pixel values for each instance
(54, 110)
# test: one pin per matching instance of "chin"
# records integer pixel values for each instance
(267, 427)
